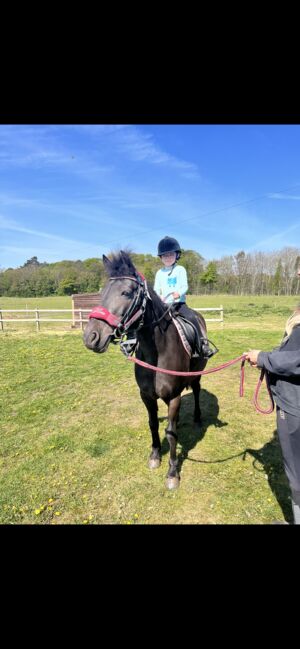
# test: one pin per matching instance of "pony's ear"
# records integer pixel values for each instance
(106, 261)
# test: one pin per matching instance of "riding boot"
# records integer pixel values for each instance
(206, 350)
(296, 512)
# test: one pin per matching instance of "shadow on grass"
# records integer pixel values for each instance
(268, 459)
(189, 433)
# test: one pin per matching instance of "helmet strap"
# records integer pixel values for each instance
(173, 266)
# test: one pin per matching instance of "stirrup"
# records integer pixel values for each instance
(207, 351)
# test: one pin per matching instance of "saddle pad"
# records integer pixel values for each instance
(186, 335)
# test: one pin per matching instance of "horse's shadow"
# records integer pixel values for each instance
(268, 459)
(190, 433)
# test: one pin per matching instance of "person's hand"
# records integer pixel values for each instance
(251, 356)
(176, 295)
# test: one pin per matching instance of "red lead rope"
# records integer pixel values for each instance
(255, 399)
(217, 369)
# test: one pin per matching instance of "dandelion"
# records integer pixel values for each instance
(57, 513)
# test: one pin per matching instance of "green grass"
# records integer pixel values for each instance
(75, 439)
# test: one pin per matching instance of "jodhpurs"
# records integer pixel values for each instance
(288, 428)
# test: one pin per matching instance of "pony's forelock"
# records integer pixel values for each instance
(121, 264)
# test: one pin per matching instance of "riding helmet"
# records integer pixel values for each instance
(168, 244)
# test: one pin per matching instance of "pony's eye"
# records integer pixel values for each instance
(127, 293)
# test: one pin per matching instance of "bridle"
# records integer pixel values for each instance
(134, 313)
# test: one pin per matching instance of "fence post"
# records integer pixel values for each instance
(73, 313)
(222, 315)
(37, 319)
(1, 321)
(81, 323)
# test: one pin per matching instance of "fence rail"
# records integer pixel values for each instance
(38, 320)
(220, 308)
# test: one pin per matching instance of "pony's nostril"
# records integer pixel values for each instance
(94, 338)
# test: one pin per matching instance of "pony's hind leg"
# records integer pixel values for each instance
(173, 474)
(196, 390)
(151, 405)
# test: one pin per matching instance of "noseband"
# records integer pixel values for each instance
(134, 313)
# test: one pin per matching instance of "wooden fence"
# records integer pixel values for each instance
(77, 316)
(220, 319)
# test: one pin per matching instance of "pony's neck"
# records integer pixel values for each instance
(155, 310)
(158, 306)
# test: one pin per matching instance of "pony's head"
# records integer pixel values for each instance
(122, 303)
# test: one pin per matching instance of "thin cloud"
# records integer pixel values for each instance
(284, 197)
(275, 238)
(141, 147)
(7, 224)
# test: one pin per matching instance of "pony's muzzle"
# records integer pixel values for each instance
(97, 336)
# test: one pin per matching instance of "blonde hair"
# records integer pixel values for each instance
(292, 322)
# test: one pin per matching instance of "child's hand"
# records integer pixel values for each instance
(175, 295)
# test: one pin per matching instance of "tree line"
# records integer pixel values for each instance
(273, 273)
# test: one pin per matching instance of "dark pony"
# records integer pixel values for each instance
(129, 307)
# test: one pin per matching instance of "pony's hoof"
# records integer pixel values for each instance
(172, 483)
(154, 462)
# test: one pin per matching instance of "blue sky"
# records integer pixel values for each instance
(78, 191)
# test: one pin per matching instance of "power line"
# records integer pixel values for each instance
(210, 213)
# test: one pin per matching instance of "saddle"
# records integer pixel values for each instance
(193, 338)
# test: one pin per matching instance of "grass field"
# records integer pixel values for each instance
(75, 439)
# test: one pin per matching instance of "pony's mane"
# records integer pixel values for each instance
(121, 264)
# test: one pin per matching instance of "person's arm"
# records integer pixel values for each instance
(280, 362)
(157, 284)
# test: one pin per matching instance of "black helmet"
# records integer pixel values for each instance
(168, 244)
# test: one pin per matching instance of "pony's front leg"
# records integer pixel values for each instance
(151, 405)
(196, 391)
(173, 413)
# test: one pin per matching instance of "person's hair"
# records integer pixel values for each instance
(292, 322)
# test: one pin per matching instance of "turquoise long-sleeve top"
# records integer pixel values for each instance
(168, 280)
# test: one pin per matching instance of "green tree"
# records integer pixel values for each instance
(69, 284)
(32, 262)
(210, 275)
(277, 281)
